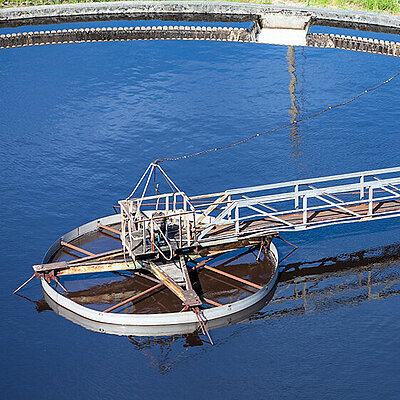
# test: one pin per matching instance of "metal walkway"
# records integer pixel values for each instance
(163, 232)
(167, 224)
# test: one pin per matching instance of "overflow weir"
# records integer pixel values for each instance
(269, 24)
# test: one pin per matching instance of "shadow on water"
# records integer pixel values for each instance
(316, 286)
(303, 287)
(333, 282)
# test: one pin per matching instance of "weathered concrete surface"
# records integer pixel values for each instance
(354, 44)
(124, 34)
(64, 36)
(200, 11)
(283, 29)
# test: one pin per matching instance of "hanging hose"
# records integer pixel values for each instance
(171, 252)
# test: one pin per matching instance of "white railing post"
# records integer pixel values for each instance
(296, 199)
(237, 225)
(144, 236)
(362, 187)
(152, 235)
(187, 221)
(370, 198)
(305, 210)
(180, 232)
(194, 227)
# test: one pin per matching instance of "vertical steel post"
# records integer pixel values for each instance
(237, 225)
(370, 198)
(180, 232)
(152, 235)
(144, 237)
(296, 199)
(362, 187)
(129, 230)
(187, 220)
(123, 229)
(305, 210)
(194, 226)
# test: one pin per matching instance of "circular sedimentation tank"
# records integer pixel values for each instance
(160, 313)
(88, 298)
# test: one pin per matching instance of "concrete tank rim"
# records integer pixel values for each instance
(328, 16)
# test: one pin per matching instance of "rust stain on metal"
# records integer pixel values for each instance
(214, 303)
(107, 228)
(188, 297)
(232, 276)
(94, 268)
(71, 246)
(135, 297)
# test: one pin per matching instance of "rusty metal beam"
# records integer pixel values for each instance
(135, 297)
(95, 268)
(232, 276)
(106, 254)
(71, 246)
(219, 249)
(249, 250)
(64, 268)
(189, 297)
(25, 283)
(107, 228)
(214, 303)
(225, 282)
(59, 283)
(186, 276)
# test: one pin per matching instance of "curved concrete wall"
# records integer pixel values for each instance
(190, 11)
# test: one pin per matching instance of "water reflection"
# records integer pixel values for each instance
(304, 287)
(294, 111)
(40, 305)
(333, 282)
(165, 352)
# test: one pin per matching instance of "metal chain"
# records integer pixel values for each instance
(199, 153)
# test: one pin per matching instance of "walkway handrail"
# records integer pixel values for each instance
(297, 200)
(313, 180)
(262, 210)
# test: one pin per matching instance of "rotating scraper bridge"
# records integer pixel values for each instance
(269, 24)
(249, 217)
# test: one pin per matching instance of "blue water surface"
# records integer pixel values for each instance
(79, 123)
